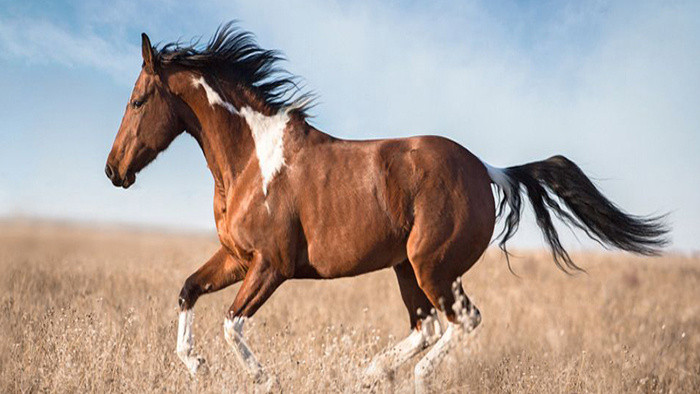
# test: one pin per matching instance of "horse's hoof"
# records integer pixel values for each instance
(374, 374)
(201, 367)
(267, 384)
(196, 365)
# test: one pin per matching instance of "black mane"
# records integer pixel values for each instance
(234, 52)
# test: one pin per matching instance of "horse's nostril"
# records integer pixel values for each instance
(108, 171)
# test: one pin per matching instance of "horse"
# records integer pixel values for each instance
(292, 202)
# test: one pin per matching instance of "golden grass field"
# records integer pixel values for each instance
(95, 310)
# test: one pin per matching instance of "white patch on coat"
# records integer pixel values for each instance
(267, 131)
(212, 96)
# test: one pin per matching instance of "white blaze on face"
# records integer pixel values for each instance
(267, 131)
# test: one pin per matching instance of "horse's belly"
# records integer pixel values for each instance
(356, 239)
(333, 257)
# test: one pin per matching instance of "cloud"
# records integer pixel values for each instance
(44, 42)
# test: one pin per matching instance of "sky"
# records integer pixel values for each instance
(613, 85)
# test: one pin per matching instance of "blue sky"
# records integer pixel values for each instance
(613, 85)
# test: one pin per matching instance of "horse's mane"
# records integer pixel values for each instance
(234, 53)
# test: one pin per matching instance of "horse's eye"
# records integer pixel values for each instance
(137, 103)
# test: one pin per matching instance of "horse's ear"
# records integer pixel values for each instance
(148, 56)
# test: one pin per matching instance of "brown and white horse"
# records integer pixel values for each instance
(293, 202)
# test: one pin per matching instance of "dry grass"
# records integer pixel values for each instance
(95, 310)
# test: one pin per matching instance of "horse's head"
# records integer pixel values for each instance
(149, 125)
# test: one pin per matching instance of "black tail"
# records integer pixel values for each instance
(588, 209)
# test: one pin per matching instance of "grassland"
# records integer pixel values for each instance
(95, 310)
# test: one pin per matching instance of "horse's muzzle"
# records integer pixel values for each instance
(118, 181)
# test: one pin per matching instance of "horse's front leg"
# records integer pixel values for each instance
(220, 271)
(260, 282)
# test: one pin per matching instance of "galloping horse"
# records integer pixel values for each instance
(293, 202)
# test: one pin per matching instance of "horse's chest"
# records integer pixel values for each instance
(241, 219)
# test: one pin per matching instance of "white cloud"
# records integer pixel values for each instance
(44, 42)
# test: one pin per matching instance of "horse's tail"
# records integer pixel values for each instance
(588, 209)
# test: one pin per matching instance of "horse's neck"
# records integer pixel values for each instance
(231, 140)
(226, 145)
(231, 133)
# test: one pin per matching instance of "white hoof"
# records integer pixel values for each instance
(421, 374)
(267, 384)
(374, 373)
(194, 364)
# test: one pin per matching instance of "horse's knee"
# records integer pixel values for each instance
(190, 292)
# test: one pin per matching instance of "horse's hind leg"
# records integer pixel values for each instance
(425, 328)
(449, 234)
(220, 271)
(417, 303)
(463, 317)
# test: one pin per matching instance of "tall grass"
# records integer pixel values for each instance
(95, 310)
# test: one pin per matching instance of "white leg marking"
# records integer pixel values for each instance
(384, 364)
(427, 364)
(233, 332)
(185, 342)
(268, 132)
(467, 320)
